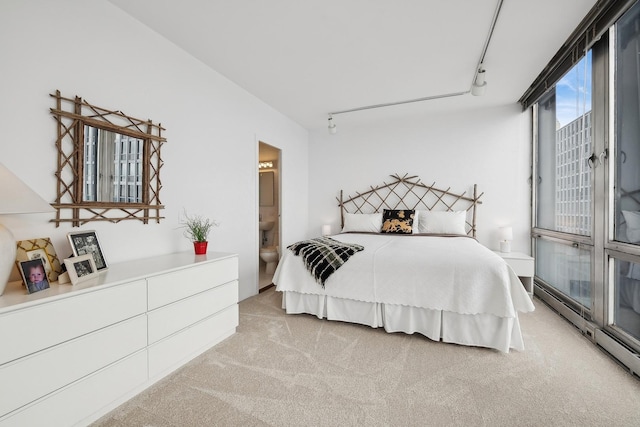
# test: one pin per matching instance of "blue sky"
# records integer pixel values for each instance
(573, 99)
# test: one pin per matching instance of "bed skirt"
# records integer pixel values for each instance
(482, 330)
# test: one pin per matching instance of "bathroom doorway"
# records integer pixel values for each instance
(269, 213)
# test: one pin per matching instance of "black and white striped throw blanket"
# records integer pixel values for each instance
(323, 255)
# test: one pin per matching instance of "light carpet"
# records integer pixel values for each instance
(297, 370)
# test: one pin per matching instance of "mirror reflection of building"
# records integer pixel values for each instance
(112, 166)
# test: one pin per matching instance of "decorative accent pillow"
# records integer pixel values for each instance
(632, 218)
(397, 221)
(362, 222)
(444, 222)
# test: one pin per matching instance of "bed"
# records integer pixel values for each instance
(414, 266)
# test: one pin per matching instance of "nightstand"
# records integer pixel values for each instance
(524, 267)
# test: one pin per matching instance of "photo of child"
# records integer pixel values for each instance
(34, 275)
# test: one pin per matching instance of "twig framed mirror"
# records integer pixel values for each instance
(108, 164)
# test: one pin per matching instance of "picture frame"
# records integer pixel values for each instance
(86, 242)
(34, 275)
(81, 268)
(27, 250)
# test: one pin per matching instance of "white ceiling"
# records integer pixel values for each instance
(307, 58)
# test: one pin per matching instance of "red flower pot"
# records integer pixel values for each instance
(200, 247)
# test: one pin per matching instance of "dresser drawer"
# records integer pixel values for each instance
(31, 377)
(171, 318)
(44, 325)
(172, 352)
(93, 395)
(180, 284)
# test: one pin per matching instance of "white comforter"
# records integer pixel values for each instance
(454, 274)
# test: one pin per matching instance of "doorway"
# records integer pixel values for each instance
(268, 213)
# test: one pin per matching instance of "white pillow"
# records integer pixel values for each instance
(632, 219)
(445, 222)
(416, 222)
(362, 222)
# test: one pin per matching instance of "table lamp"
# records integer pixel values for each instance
(506, 236)
(15, 198)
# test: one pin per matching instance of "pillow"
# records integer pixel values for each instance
(445, 222)
(632, 219)
(397, 221)
(362, 222)
(416, 222)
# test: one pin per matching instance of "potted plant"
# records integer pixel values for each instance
(196, 229)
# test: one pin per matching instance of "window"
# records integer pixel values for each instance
(587, 192)
(564, 196)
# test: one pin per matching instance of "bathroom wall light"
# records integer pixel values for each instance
(332, 126)
(264, 165)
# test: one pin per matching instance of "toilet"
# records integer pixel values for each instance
(269, 254)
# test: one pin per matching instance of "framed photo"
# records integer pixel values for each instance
(27, 250)
(86, 242)
(34, 275)
(81, 268)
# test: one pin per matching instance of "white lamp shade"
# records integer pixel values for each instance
(17, 198)
(506, 233)
(326, 229)
(7, 256)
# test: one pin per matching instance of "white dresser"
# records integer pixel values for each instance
(70, 354)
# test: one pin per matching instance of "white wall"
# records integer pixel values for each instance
(489, 147)
(94, 50)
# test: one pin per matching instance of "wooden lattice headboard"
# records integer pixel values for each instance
(407, 192)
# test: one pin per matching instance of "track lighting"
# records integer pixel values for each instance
(332, 126)
(479, 85)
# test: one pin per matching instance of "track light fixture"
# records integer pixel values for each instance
(332, 126)
(479, 85)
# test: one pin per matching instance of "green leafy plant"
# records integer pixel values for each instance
(197, 228)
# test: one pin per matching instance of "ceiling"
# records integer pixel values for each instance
(309, 58)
